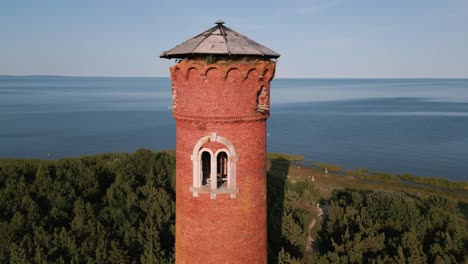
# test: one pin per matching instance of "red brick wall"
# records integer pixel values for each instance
(221, 98)
(224, 90)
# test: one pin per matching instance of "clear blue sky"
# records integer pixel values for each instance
(316, 38)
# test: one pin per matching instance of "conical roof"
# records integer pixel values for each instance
(219, 40)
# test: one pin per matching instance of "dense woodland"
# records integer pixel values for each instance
(112, 208)
(386, 227)
(119, 208)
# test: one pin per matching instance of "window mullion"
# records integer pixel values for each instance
(214, 180)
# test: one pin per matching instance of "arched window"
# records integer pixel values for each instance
(214, 173)
(221, 168)
(205, 167)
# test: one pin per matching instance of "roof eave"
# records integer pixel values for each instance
(169, 54)
(185, 55)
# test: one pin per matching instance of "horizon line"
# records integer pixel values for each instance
(103, 76)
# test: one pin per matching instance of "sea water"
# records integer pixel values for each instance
(417, 126)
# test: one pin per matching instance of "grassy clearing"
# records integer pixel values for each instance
(285, 156)
(436, 182)
(329, 167)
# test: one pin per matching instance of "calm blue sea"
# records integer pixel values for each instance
(417, 126)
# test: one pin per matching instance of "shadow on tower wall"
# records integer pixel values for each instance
(276, 179)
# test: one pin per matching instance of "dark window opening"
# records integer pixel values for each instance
(221, 168)
(206, 167)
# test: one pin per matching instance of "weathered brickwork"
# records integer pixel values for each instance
(224, 90)
(222, 98)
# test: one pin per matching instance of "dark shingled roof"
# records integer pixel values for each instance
(219, 40)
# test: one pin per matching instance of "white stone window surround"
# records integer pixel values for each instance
(213, 189)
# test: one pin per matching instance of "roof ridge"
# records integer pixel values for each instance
(224, 34)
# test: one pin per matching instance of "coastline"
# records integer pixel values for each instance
(300, 170)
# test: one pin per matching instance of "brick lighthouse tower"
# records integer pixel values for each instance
(221, 102)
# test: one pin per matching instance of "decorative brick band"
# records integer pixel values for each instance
(250, 118)
(265, 68)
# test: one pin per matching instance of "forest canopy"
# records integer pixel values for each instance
(389, 227)
(120, 208)
(112, 208)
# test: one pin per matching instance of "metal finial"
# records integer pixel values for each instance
(219, 22)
